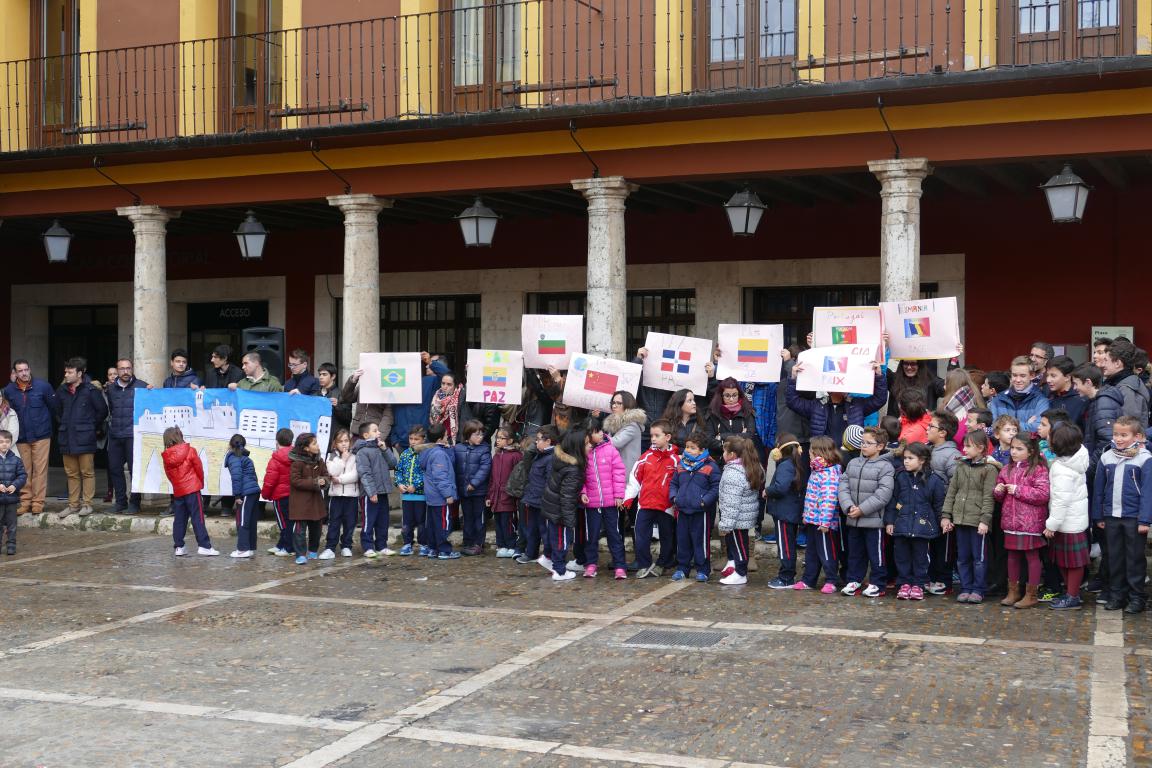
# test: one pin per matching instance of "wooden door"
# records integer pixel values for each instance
(251, 64)
(483, 42)
(54, 74)
(1045, 31)
(746, 43)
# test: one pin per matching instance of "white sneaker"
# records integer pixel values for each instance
(505, 552)
(179, 552)
(327, 555)
(566, 577)
(734, 578)
(851, 588)
(241, 553)
(575, 567)
(280, 552)
(872, 590)
(370, 553)
(387, 552)
(207, 551)
(274, 550)
(345, 552)
(544, 563)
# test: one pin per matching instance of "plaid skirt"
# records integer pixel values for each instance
(1022, 542)
(1070, 550)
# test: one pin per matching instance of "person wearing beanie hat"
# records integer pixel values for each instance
(853, 436)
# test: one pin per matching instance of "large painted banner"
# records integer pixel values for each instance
(837, 369)
(749, 352)
(391, 377)
(591, 381)
(677, 362)
(551, 339)
(848, 326)
(208, 418)
(924, 329)
(495, 376)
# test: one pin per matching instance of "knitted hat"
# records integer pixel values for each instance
(853, 436)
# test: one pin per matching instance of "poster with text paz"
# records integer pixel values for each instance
(841, 368)
(551, 339)
(677, 362)
(209, 418)
(749, 352)
(494, 376)
(391, 377)
(591, 381)
(839, 326)
(924, 329)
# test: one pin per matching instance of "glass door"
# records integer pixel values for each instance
(252, 62)
(747, 43)
(486, 54)
(56, 72)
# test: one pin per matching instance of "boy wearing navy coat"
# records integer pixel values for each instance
(695, 490)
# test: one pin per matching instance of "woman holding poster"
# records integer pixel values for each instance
(446, 407)
(684, 415)
(625, 425)
(730, 413)
(913, 374)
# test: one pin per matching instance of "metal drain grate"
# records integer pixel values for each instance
(672, 638)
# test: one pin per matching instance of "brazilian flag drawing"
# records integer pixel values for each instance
(391, 378)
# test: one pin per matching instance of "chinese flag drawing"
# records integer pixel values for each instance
(604, 383)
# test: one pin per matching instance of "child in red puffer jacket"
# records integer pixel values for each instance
(185, 472)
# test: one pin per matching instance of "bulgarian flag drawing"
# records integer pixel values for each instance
(548, 346)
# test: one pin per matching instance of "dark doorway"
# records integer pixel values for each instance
(212, 324)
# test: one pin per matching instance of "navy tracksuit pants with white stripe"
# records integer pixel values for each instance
(866, 547)
(185, 508)
(738, 543)
(374, 519)
(786, 547)
(439, 525)
(606, 519)
(560, 537)
(692, 535)
(247, 513)
(285, 542)
(822, 553)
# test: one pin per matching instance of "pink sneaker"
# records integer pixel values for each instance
(905, 592)
(828, 589)
(621, 574)
(916, 593)
(800, 585)
(589, 571)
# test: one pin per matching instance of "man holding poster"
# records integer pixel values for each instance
(834, 409)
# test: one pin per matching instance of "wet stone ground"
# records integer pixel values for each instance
(115, 653)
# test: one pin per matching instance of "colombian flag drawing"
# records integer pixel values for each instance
(843, 334)
(604, 383)
(495, 377)
(551, 346)
(675, 361)
(393, 377)
(916, 326)
(835, 365)
(752, 350)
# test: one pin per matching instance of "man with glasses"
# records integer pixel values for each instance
(1038, 359)
(34, 402)
(301, 382)
(121, 404)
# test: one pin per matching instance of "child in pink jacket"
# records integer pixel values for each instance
(605, 480)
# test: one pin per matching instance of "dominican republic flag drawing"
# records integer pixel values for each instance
(674, 361)
(604, 383)
(495, 377)
(835, 365)
(549, 346)
(752, 350)
(916, 326)
(843, 334)
(392, 377)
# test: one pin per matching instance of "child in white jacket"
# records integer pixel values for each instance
(1067, 523)
(342, 496)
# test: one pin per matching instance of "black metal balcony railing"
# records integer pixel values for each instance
(534, 55)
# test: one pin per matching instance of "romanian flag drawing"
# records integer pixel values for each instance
(604, 383)
(916, 326)
(835, 365)
(393, 377)
(843, 334)
(495, 377)
(549, 346)
(752, 350)
(673, 361)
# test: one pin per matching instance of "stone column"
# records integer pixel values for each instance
(149, 291)
(901, 185)
(360, 328)
(606, 311)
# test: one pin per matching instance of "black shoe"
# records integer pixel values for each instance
(1114, 605)
(1136, 606)
(119, 508)
(12, 551)
(132, 510)
(1095, 585)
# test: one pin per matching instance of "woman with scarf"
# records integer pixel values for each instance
(730, 413)
(961, 394)
(445, 407)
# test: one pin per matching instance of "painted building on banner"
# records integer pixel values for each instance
(896, 155)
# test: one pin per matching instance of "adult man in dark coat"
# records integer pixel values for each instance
(80, 409)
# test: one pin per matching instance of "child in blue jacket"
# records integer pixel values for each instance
(12, 479)
(246, 491)
(785, 496)
(695, 489)
(439, 492)
(913, 519)
(410, 480)
(1121, 506)
(473, 460)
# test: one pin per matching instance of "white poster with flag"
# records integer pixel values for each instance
(924, 329)
(677, 362)
(749, 352)
(495, 376)
(591, 381)
(848, 326)
(551, 339)
(390, 377)
(839, 368)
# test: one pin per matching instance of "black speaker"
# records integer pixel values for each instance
(269, 342)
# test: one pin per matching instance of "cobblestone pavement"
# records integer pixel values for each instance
(117, 654)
